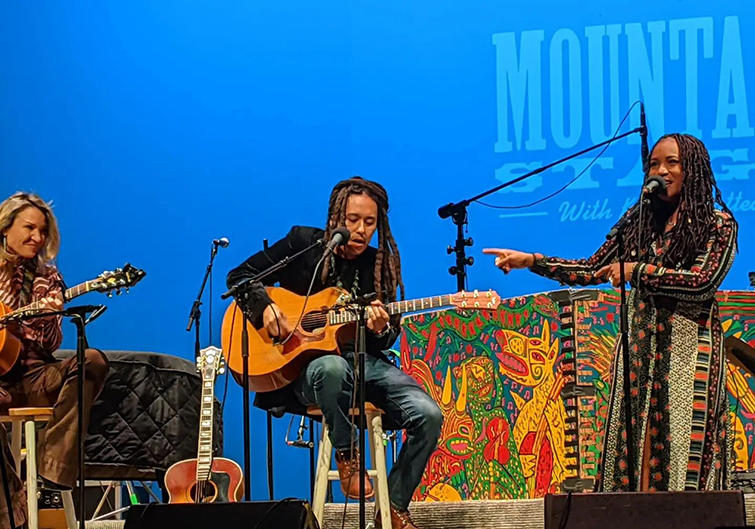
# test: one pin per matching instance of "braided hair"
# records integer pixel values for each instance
(387, 261)
(697, 214)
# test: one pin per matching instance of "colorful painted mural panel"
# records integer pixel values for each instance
(499, 378)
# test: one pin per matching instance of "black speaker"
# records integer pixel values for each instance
(670, 510)
(288, 514)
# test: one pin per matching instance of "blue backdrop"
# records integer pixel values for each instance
(158, 126)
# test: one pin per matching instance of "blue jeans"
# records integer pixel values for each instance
(328, 382)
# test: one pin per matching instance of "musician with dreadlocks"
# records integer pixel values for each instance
(678, 250)
(328, 382)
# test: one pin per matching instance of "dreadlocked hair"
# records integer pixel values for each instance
(697, 212)
(387, 261)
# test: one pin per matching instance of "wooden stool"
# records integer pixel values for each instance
(25, 420)
(378, 472)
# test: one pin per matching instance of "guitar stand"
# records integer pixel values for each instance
(300, 442)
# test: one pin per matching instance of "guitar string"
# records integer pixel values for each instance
(315, 320)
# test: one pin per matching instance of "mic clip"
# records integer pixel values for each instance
(347, 300)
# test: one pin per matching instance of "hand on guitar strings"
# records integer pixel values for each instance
(51, 304)
(377, 317)
(275, 322)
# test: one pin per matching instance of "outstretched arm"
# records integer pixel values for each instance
(568, 271)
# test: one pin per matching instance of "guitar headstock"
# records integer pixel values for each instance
(476, 300)
(117, 280)
(210, 363)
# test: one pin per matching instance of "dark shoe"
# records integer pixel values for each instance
(399, 520)
(51, 485)
(348, 470)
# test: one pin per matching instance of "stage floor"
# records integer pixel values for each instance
(513, 514)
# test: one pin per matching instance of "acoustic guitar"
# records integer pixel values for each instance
(326, 323)
(206, 479)
(107, 282)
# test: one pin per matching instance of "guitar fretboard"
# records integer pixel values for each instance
(204, 454)
(397, 307)
(78, 290)
(70, 294)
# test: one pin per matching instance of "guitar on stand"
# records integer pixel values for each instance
(106, 282)
(206, 479)
(277, 363)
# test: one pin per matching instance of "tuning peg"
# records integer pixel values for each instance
(450, 249)
(221, 370)
(110, 294)
(128, 289)
(470, 261)
(469, 241)
(117, 291)
(453, 270)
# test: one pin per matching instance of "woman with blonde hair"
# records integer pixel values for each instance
(30, 242)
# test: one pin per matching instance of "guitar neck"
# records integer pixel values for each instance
(397, 307)
(204, 452)
(69, 294)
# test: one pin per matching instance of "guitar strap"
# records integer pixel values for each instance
(335, 273)
(29, 268)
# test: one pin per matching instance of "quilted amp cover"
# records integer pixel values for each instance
(146, 418)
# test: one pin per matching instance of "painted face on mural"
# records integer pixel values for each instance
(361, 221)
(28, 233)
(666, 163)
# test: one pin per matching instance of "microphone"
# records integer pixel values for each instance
(654, 185)
(340, 237)
(644, 152)
(223, 242)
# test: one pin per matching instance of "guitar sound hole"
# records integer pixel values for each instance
(207, 490)
(313, 321)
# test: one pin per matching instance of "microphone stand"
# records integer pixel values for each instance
(196, 314)
(240, 291)
(617, 232)
(77, 315)
(458, 211)
(358, 308)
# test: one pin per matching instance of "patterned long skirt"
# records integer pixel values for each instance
(680, 410)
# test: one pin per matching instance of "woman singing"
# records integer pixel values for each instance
(678, 249)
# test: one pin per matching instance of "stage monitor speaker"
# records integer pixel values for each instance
(670, 510)
(288, 514)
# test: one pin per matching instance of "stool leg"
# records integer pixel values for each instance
(382, 498)
(321, 476)
(370, 449)
(15, 442)
(69, 509)
(31, 473)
